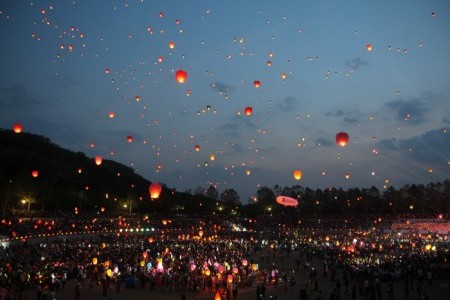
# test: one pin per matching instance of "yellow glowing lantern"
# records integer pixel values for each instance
(94, 261)
(298, 174)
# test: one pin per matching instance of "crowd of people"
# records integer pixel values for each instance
(216, 254)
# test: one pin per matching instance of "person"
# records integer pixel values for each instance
(77, 291)
(183, 297)
(258, 293)
(234, 288)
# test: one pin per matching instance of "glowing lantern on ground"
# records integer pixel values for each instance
(369, 47)
(207, 272)
(129, 139)
(297, 174)
(351, 248)
(200, 233)
(217, 296)
(248, 111)
(142, 263)
(106, 263)
(342, 139)
(155, 190)
(109, 272)
(197, 148)
(235, 270)
(254, 267)
(94, 261)
(230, 278)
(221, 269)
(17, 128)
(256, 83)
(192, 267)
(35, 173)
(244, 262)
(144, 254)
(181, 76)
(98, 160)
(428, 247)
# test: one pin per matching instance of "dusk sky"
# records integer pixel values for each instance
(65, 65)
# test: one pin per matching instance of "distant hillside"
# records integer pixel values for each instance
(68, 179)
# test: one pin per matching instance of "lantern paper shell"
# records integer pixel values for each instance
(155, 190)
(297, 174)
(342, 139)
(98, 160)
(256, 83)
(17, 128)
(181, 76)
(248, 111)
(287, 201)
(35, 173)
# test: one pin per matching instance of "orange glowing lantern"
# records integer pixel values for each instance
(244, 262)
(171, 45)
(17, 128)
(256, 83)
(217, 296)
(98, 160)
(248, 111)
(230, 278)
(155, 190)
(298, 174)
(347, 175)
(212, 157)
(35, 173)
(94, 261)
(369, 47)
(181, 76)
(342, 139)
(197, 148)
(207, 272)
(111, 114)
(129, 138)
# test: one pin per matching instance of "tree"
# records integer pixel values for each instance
(212, 192)
(230, 196)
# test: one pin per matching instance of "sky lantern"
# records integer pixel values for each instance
(111, 114)
(283, 76)
(256, 83)
(107, 71)
(342, 139)
(347, 175)
(369, 47)
(212, 157)
(297, 174)
(17, 128)
(248, 111)
(35, 173)
(197, 148)
(129, 138)
(154, 190)
(160, 59)
(287, 201)
(171, 45)
(98, 160)
(138, 98)
(181, 76)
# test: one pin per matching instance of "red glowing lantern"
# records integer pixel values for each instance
(197, 148)
(287, 201)
(181, 76)
(155, 190)
(297, 174)
(256, 83)
(248, 111)
(129, 138)
(138, 98)
(171, 45)
(369, 47)
(17, 128)
(342, 139)
(35, 173)
(111, 114)
(98, 160)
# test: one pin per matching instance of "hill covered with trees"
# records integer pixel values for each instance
(36, 172)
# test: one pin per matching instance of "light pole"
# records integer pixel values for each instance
(126, 205)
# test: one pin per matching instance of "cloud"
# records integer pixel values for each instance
(324, 142)
(221, 87)
(351, 120)
(413, 110)
(355, 63)
(17, 98)
(432, 147)
(337, 113)
(387, 144)
(287, 104)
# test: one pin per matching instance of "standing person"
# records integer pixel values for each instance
(77, 291)
(234, 288)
